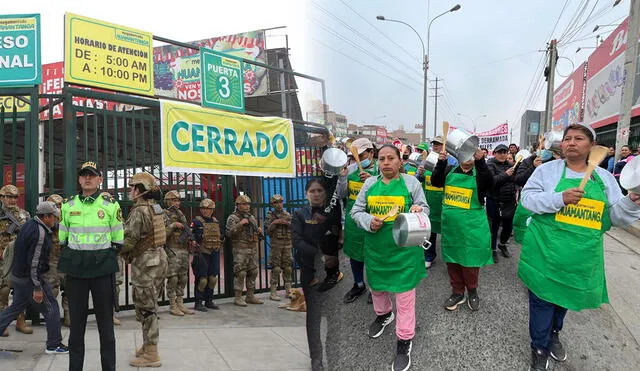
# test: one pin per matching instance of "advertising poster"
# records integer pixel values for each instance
(567, 100)
(177, 69)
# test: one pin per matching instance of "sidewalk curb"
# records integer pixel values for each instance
(634, 229)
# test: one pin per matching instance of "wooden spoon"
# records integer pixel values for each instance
(393, 211)
(518, 159)
(445, 131)
(596, 155)
(540, 142)
(356, 156)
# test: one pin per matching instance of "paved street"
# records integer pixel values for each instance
(494, 338)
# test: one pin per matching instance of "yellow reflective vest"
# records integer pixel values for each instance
(90, 230)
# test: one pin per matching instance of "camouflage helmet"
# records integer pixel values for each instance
(207, 203)
(9, 190)
(243, 199)
(171, 194)
(56, 199)
(276, 198)
(147, 180)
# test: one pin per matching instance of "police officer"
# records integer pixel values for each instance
(145, 236)
(278, 226)
(53, 276)
(178, 241)
(206, 263)
(13, 217)
(90, 234)
(244, 232)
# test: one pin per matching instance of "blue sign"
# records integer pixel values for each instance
(20, 62)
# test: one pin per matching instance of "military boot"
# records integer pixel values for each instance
(21, 325)
(66, 321)
(5, 333)
(200, 307)
(173, 308)
(141, 350)
(149, 357)
(239, 300)
(116, 321)
(274, 294)
(252, 299)
(181, 306)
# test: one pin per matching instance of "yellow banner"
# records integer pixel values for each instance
(379, 206)
(429, 187)
(458, 197)
(205, 140)
(587, 213)
(354, 189)
(107, 56)
(9, 102)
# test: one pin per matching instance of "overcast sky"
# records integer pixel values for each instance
(486, 53)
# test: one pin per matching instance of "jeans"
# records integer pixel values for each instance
(357, 267)
(431, 253)
(22, 296)
(500, 213)
(544, 317)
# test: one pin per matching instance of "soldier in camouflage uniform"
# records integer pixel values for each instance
(119, 274)
(144, 239)
(13, 217)
(244, 232)
(178, 244)
(278, 227)
(53, 276)
(206, 262)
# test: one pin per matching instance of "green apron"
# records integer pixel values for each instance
(353, 245)
(520, 223)
(410, 169)
(389, 267)
(466, 238)
(562, 259)
(434, 200)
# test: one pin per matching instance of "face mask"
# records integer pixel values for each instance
(546, 155)
(405, 157)
(365, 163)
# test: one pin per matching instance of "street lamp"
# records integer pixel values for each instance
(585, 47)
(455, 7)
(597, 27)
(424, 69)
(425, 64)
(474, 122)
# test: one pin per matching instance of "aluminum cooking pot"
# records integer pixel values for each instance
(411, 229)
(462, 145)
(333, 160)
(431, 161)
(553, 141)
(630, 176)
(414, 159)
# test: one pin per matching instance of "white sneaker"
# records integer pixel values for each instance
(427, 265)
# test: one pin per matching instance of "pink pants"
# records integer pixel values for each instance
(405, 311)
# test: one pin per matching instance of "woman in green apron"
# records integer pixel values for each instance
(349, 184)
(466, 238)
(562, 259)
(390, 268)
(433, 196)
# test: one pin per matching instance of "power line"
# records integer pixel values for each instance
(362, 36)
(363, 50)
(377, 29)
(367, 66)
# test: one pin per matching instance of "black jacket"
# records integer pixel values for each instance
(31, 253)
(484, 180)
(314, 230)
(504, 188)
(525, 169)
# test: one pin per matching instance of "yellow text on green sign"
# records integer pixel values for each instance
(108, 56)
(204, 140)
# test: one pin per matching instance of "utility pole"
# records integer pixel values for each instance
(550, 73)
(630, 64)
(435, 108)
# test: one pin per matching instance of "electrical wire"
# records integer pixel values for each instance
(365, 65)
